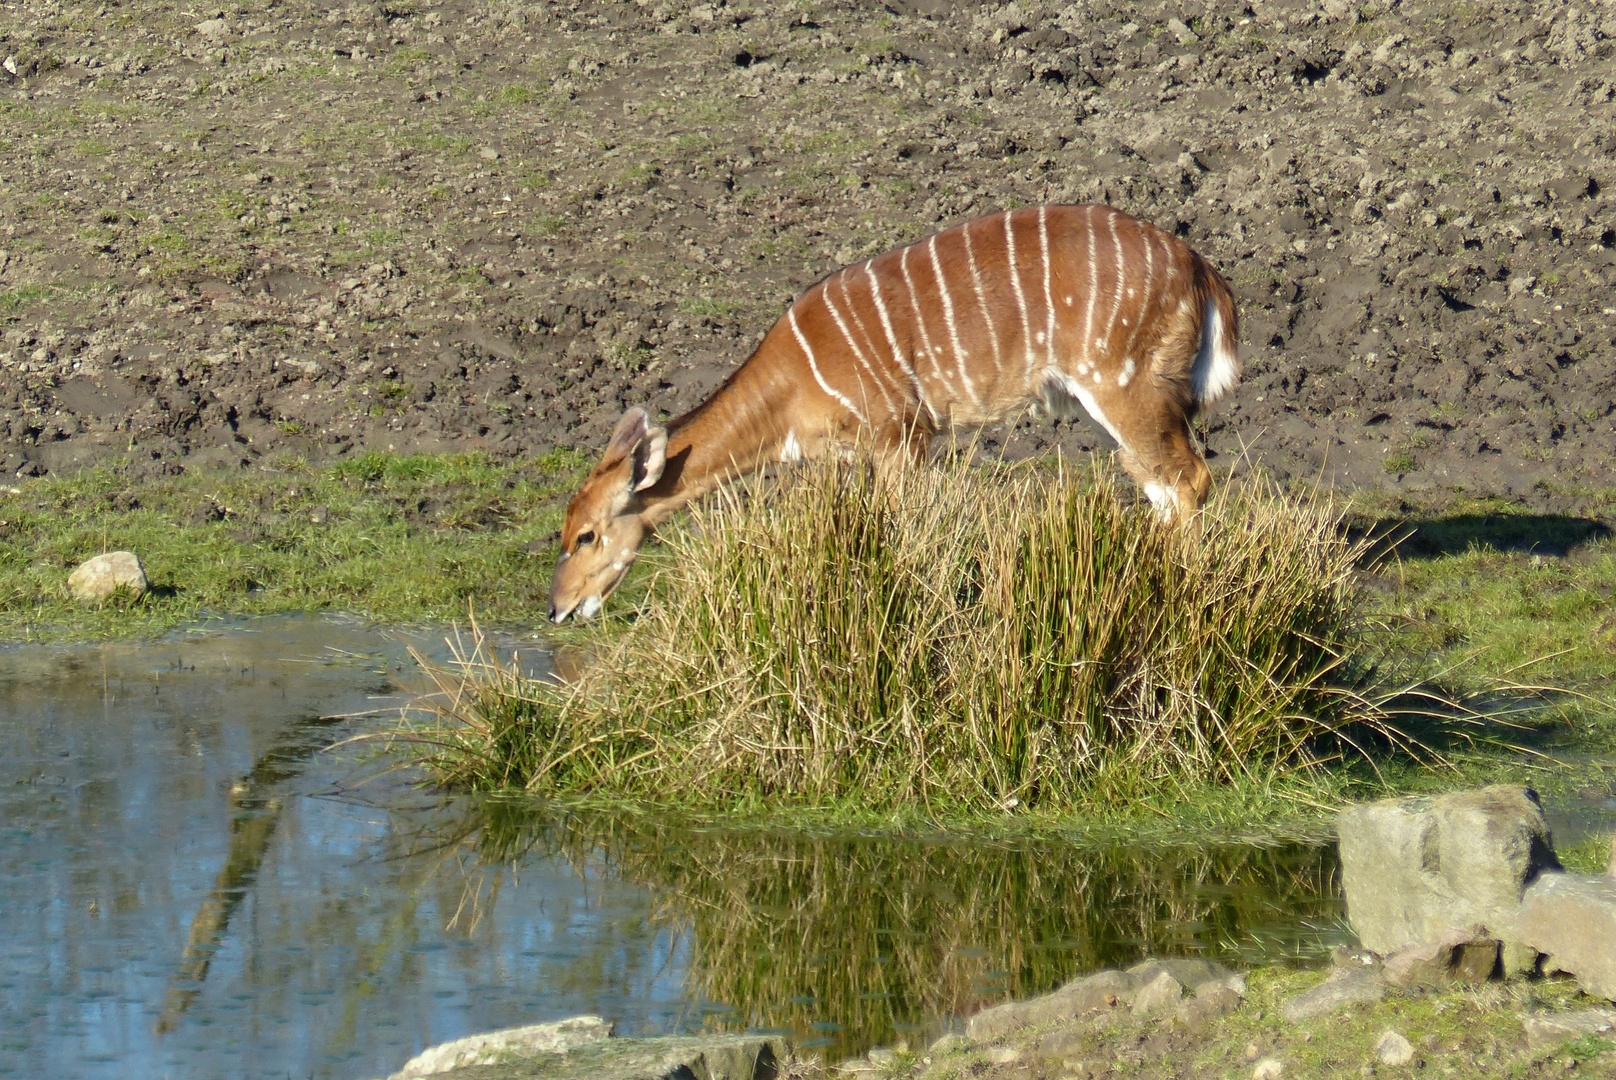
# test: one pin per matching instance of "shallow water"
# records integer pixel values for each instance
(195, 887)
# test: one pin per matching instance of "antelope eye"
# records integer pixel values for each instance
(587, 537)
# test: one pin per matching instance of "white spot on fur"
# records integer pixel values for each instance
(589, 608)
(1068, 301)
(618, 565)
(1099, 343)
(1127, 372)
(1130, 292)
(1096, 377)
(1040, 337)
(791, 452)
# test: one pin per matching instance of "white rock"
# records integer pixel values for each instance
(100, 577)
(213, 28)
(1268, 1069)
(1394, 1049)
(493, 1047)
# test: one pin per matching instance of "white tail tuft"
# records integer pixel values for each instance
(1217, 367)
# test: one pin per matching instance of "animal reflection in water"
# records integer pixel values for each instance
(254, 814)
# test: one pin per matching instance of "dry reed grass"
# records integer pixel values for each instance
(956, 639)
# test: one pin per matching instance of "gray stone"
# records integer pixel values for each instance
(1552, 1029)
(702, 1057)
(1180, 30)
(1189, 972)
(1416, 867)
(1344, 987)
(1098, 991)
(1457, 955)
(1394, 1049)
(96, 579)
(1160, 995)
(1211, 1001)
(213, 28)
(1572, 919)
(493, 1047)
(1519, 959)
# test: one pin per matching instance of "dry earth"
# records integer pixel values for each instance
(279, 228)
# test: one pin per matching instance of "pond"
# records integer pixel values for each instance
(201, 882)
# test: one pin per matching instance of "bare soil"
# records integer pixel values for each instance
(277, 229)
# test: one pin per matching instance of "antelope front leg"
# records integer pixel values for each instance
(897, 447)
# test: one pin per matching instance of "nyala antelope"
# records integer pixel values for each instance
(1061, 305)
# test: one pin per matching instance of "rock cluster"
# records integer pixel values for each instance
(1193, 991)
(1467, 887)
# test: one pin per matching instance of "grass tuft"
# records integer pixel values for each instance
(961, 640)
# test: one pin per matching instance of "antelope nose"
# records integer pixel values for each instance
(553, 614)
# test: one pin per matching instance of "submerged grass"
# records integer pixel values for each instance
(851, 939)
(956, 639)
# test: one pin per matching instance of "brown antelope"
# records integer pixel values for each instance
(1059, 305)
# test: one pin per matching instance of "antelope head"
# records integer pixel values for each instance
(606, 522)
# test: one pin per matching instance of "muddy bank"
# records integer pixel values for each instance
(417, 225)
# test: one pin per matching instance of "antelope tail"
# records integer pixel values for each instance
(1217, 363)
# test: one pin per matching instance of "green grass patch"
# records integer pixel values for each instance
(398, 539)
(966, 642)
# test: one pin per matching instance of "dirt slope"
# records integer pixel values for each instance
(294, 230)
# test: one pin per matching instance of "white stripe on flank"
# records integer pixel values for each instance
(892, 341)
(1116, 300)
(948, 317)
(1015, 283)
(920, 320)
(981, 297)
(813, 366)
(1049, 298)
(890, 377)
(1088, 322)
(1143, 310)
(1090, 404)
(858, 353)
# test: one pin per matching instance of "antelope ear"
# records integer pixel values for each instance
(650, 455)
(630, 430)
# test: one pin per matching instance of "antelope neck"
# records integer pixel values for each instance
(731, 433)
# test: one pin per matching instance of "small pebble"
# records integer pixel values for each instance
(1394, 1049)
(1268, 1069)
